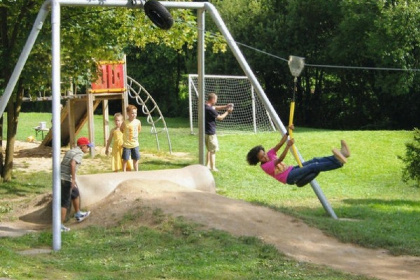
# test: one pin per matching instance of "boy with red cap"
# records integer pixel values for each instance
(69, 191)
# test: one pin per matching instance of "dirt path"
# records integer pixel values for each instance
(289, 235)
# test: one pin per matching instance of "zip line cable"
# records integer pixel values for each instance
(333, 66)
(323, 66)
(284, 59)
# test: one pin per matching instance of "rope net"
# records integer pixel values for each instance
(249, 114)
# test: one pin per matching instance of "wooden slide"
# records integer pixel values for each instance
(78, 107)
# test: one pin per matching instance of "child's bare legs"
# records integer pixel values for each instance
(345, 151)
(208, 160)
(76, 204)
(63, 214)
(124, 165)
(136, 165)
(211, 161)
(212, 145)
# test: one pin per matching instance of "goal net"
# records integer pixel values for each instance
(249, 114)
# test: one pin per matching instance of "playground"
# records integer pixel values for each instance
(238, 200)
(289, 235)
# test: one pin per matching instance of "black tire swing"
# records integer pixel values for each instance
(158, 14)
(296, 65)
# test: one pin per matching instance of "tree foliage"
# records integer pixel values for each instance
(411, 170)
(343, 42)
(87, 36)
(334, 37)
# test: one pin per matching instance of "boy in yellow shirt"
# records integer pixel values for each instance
(131, 129)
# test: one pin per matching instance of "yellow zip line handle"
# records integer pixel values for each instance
(294, 150)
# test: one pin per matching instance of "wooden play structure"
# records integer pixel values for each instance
(112, 84)
(79, 110)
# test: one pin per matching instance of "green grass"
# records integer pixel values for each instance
(376, 210)
(172, 249)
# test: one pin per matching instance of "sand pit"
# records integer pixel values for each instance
(181, 195)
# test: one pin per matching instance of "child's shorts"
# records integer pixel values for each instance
(133, 152)
(65, 193)
(212, 144)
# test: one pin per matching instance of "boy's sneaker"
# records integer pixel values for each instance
(64, 228)
(81, 216)
(345, 149)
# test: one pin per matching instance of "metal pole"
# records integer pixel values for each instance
(245, 67)
(56, 125)
(102, 3)
(190, 105)
(254, 115)
(201, 85)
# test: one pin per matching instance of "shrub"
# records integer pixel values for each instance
(411, 170)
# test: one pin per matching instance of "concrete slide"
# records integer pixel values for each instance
(94, 188)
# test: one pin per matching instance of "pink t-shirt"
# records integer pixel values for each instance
(279, 171)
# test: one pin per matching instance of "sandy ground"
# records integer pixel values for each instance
(291, 236)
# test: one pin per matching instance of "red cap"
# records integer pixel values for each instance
(84, 141)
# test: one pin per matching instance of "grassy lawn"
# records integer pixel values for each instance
(375, 209)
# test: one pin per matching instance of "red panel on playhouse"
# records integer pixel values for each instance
(111, 78)
(115, 76)
(102, 82)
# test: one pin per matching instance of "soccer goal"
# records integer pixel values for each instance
(249, 114)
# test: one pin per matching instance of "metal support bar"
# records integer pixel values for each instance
(201, 86)
(56, 124)
(245, 67)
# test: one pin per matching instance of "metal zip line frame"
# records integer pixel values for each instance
(201, 7)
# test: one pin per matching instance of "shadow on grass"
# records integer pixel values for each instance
(381, 202)
(161, 164)
(17, 188)
(23, 184)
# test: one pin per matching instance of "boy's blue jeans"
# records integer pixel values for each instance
(314, 165)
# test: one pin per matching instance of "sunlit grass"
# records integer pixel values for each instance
(375, 209)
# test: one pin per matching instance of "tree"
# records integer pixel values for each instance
(411, 170)
(362, 34)
(15, 20)
(87, 35)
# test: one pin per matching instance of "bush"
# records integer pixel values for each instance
(411, 171)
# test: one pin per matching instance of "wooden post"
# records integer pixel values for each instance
(105, 110)
(91, 126)
(72, 123)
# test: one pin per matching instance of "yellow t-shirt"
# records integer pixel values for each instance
(131, 133)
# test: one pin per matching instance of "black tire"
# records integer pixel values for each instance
(158, 14)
